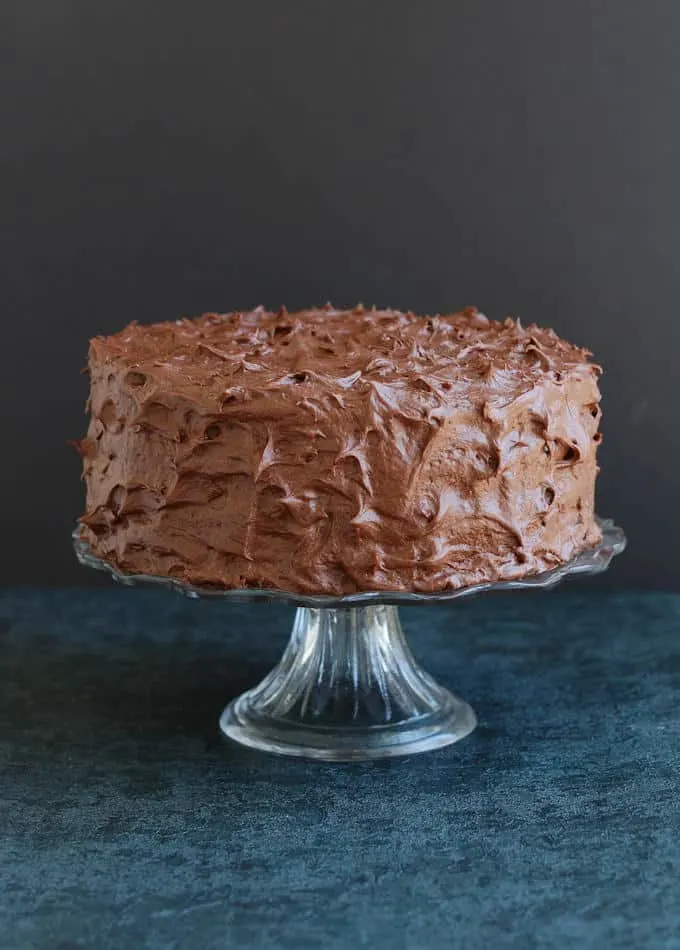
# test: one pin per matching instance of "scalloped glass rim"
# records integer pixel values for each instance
(592, 561)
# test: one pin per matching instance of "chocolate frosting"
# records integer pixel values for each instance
(333, 451)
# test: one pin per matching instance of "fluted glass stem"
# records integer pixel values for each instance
(347, 665)
(347, 687)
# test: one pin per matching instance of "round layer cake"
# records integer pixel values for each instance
(335, 451)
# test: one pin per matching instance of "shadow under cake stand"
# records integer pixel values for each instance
(347, 687)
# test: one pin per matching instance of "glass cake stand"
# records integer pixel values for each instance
(347, 686)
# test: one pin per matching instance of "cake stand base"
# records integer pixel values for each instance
(347, 688)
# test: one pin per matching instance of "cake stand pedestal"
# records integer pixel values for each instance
(347, 687)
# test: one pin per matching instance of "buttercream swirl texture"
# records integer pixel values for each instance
(332, 451)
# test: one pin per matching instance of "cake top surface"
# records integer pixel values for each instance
(224, 355)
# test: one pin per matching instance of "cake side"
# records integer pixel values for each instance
(372, 451)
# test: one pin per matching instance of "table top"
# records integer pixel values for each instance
(126, 821)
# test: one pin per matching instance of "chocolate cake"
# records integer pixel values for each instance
(334, 451)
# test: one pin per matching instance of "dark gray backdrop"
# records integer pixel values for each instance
(160, 159)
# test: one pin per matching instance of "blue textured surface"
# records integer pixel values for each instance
(127, 823)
